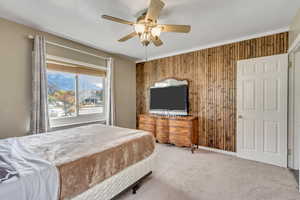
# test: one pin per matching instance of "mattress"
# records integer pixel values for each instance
(88, 155)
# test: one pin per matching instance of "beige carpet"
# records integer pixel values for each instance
(180, 175)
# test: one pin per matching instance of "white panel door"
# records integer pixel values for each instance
(262, 109)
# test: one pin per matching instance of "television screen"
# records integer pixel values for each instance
(169, 98)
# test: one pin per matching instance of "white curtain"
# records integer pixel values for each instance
(110, 103)
(39, 111)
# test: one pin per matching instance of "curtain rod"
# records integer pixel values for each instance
(70, 48)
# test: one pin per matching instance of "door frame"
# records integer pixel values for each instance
(294, 139)
(293, 144)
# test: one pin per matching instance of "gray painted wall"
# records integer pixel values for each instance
(15, 79)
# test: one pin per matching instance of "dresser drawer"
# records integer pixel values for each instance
(147, 127)
(181, 131)
(162, 122)
(162, 134)
(181, 123)
(180, 136)
(146, 120)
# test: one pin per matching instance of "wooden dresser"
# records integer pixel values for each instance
(180, 131)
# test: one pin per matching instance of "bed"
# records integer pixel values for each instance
(89, 162)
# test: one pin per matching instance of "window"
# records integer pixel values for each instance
(75, 95)
(91, 94)
(61, 94)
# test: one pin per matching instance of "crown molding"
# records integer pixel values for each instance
(295, 45)
(248, 37)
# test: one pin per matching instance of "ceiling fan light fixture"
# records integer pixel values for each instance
(145, 38)
(156, 31)
(139, 28)
(146, 26)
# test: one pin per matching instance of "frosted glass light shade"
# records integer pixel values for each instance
(156, 31)
(139, 28)
(145, 37)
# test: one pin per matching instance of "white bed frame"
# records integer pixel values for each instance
(116, 184)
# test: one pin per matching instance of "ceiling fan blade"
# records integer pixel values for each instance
(154, 10)
(175, 28)
(156, 41)
(115, 19)
(127, 37)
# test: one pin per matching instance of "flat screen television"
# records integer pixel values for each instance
(171, 100)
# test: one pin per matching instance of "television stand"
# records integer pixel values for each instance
(182, 131)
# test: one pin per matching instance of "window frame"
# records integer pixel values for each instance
(83, 118)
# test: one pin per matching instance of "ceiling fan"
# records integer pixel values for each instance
(146, 26)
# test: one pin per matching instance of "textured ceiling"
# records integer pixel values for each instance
(212, 21)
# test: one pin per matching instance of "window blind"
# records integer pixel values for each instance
(73, 68)
(73, 55)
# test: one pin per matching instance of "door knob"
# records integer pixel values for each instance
(240, 117)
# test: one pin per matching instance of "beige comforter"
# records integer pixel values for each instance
(86, 156)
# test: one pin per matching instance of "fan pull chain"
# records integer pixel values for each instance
(146, 54)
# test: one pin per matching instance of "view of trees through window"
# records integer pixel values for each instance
(70, 94)
(90, 94)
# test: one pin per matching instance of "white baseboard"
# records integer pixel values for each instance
(218, 150)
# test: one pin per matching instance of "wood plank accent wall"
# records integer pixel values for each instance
(212, 76)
